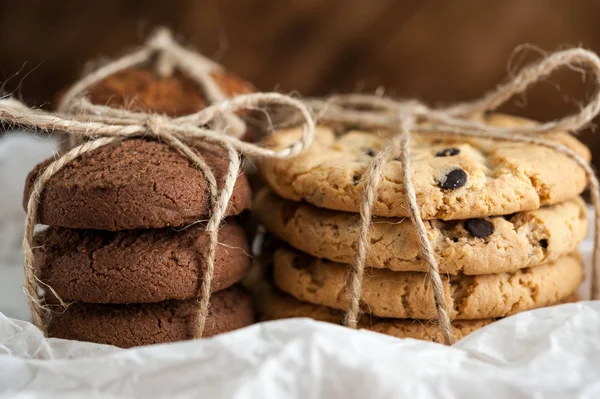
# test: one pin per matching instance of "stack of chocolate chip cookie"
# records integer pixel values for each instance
(504, 220)
(126, 248)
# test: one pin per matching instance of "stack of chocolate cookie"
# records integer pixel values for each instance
(126, 247)
(504, 220)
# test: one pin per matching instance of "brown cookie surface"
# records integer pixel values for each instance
(137, 266)
(274, 305)
(143, 90)
(474, 246)
(453, 177)
(386, 293)
(133, 184)
(145, 324)
(277, 306)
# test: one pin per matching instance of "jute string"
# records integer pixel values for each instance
(100, 126)
(170, 55)
(406, 118)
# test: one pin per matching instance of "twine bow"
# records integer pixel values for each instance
(101, 125)
(169, 55)
(367, 111)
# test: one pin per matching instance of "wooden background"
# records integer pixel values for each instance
(437, 51)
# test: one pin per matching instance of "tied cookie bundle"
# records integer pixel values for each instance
(429, 223)
(143, 245)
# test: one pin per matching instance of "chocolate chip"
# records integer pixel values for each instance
(448, 152)
(454, 179)
(356, 178)
(370, 152)
(480, 228)
(544, 243)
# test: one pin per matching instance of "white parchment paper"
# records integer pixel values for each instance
(546, 353)
(19, 153)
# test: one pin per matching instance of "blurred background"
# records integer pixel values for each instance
(436, 51)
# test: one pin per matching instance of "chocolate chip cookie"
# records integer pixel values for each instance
(281, 306)
(454, 177)
(408, 294)
(275, 305)
(473, 246)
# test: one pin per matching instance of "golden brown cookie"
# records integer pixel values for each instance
(408, 294)
(454, 178)
(275, 306)
(475, 246)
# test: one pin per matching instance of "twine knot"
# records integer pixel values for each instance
(157, 125)
(161, 39)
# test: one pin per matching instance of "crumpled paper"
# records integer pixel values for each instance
(19, 153)
(546, 353)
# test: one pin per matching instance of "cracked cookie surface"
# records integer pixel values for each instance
(275, 305)
(454, 178)
(475, 246)
(137, 266)
(143, 90)
(151, 323)
(408, 294)
(133, 184)
(278, 305)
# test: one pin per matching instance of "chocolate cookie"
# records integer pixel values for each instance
(143, 90)
(133, 184)
(154, 323)
(454, 178)
(137, 266)
(409, 295)
(474, 246)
